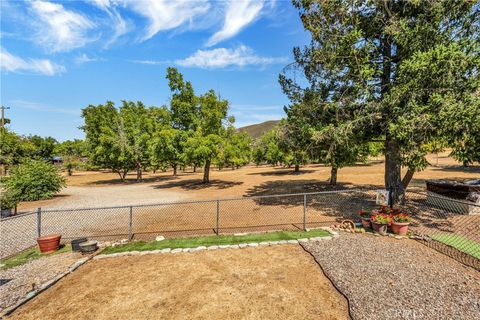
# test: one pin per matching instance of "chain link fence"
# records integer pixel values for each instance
(448, 225)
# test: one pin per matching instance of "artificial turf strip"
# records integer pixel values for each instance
(28, 255)
(460, 243)
(215, 240)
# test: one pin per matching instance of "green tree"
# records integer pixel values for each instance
(405, 71)
(236, 149)
(293, 140)
(206, 143)
(43, 147)
(71, 151)
(13, 149)
(34, 180)
(106, 139)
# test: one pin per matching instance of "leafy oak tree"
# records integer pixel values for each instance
(405, 70)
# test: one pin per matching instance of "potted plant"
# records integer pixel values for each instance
(7, 202)
(365, 218)
(380, 222)
(400, 223)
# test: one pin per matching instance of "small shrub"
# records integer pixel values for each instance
(8, 200)
(381, 218)
(401, 218)
(34, 180)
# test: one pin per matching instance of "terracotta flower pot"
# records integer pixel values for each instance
(380, 228)
(400, 228)
(366, 223)
(49, 243)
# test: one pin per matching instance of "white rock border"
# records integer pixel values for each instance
(333, 234)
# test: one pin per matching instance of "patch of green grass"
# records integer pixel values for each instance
(215, 240)
(28, 255)
(460, 243)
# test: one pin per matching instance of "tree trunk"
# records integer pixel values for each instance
(333, 176)
(69, 171)
(233, 167)
(139, 171)
(407, 178)
(194, 168)
(393, 168)
(174, 170)
(297, 167)
(206, 172)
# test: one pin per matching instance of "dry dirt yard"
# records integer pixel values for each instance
(103, 188)
(279, 282)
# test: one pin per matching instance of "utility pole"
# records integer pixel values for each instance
(3, 115)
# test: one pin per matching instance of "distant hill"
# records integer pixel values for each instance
(256, 130)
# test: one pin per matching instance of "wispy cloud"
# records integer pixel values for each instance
(166, 14)
(118, 24)
(238, 15)
(22, 104)
(11, 63)
(84, 58)
(59, 29)
(223, 57)
(152, 62)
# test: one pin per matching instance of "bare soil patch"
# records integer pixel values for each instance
(280, 282)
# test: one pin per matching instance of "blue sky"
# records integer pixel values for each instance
(57, 57)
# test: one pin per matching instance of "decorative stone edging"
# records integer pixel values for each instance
(44, 286)
(334, 234)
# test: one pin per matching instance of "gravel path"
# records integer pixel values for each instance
(16, 282)
(385, 278)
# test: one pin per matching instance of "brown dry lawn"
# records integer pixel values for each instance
(281, 282)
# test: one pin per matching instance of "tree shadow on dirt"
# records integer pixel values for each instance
(459, 168)
(284, 172)
(197, 184)
(132, 180)
(344, 203)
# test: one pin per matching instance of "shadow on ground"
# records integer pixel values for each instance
(197, 184)
(131, 179)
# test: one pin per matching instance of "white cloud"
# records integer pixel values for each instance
(118, 24)
(223, 57)
(167, 14)
(152, 62)
(60, 29)
(83, 58)
(9, 62)
(238, 15)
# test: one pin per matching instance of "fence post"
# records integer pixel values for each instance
(130, 224)
(39, 222)
(218, 218)
(304, 212)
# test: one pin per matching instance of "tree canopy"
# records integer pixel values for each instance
(404, 72)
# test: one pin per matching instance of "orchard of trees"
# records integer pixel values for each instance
(378, 77)
(195, 130)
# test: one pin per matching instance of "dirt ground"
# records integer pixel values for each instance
(103, 188)
(280, 282)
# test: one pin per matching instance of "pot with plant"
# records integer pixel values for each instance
(7, 203)
(400, 223)
(380, 222)
(365, 218)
